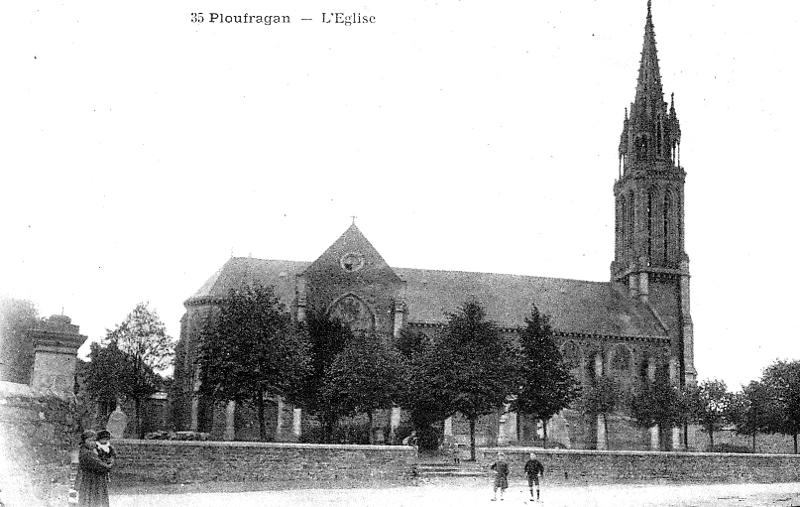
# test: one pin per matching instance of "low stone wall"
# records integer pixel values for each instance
(765, 443)
(577, 466)
(160, 461)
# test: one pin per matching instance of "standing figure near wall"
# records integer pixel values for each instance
(93, 473)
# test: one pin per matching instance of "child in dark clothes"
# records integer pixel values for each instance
(500, 468)
(533, 469)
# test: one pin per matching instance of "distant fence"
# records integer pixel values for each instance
(576, 466)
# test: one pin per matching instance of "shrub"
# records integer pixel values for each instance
(403, 430)
(729, 448)
(351, 432)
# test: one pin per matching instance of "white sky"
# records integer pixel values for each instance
(138, 150)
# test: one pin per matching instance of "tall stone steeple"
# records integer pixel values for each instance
(649, 255)
(652, 132)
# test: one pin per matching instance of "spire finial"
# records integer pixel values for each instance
(354, 219)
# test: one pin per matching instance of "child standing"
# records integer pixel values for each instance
(104, 450)
(500, 468)
(533, 469)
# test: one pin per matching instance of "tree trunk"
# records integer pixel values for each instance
(685, 437)
(472, 439)
(544, 433)
(371, 431)
(327, 428)
(754, 442)
(711, 437)
(519, 427)
(262, 423)
(140, 430)
(795, 442)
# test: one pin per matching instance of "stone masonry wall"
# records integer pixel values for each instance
(765, 443)
(576, 466)
(158, 461)
(38, 429)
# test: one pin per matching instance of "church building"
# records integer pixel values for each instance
(632, 327)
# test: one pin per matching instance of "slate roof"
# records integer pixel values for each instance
(239, 271)
(575, 306)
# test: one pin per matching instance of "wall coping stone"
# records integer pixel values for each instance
(539, 450)
(267, 445)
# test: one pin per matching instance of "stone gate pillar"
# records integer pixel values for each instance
(56, 343)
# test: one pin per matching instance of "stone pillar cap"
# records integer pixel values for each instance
(57, 331)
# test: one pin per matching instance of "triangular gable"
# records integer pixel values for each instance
(351, 258)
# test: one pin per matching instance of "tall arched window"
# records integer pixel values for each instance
(351, 311)
(621, 359)
(621, 365)
(571, 354)
(670, 257)
(678, 227)
(631, 219)
(641, 148)
(659, 147)
(650, 228)
(622, 230)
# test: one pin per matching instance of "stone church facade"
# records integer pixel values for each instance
(632, 327)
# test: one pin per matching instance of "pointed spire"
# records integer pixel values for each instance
(623, 138)
(675, 125)
(647, 124)
(648, 86)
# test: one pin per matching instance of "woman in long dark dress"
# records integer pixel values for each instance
(93, 476)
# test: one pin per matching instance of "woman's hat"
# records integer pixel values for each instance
(103, 434)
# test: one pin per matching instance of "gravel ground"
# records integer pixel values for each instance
(447, 494)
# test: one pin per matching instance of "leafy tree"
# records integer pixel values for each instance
(660, 403)
(432, 390)
(146, 349)
(600, 398)
(483, 362)
(143, 336)
(547, 385)
(782, 379)
(327, 339)
(17, 316)
(411, 342)
(366, 376)
(251, 350)
(103, 377)
(751, 410)
(112, 375)
(710, 403)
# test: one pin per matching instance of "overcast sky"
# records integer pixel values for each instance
(140, 150)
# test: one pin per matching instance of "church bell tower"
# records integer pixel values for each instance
(649, 255)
